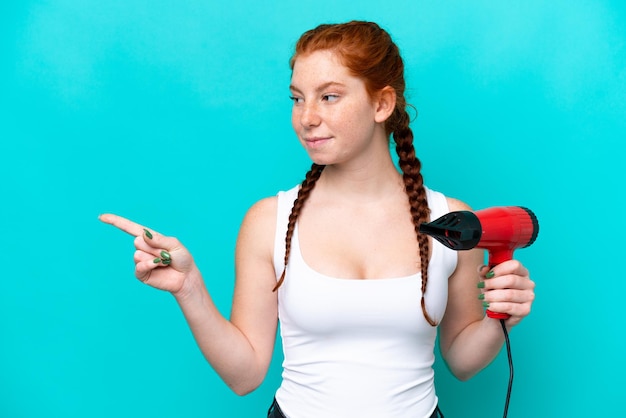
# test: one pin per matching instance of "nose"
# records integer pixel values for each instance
(309, 115)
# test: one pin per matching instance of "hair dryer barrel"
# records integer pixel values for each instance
(506, 228)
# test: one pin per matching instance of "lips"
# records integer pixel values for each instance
(316, 141)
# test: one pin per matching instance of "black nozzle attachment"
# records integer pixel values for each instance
(459, 230)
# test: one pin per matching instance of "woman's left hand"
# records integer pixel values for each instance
(508, 289)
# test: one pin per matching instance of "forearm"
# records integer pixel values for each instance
(223, 345)
(474, 348)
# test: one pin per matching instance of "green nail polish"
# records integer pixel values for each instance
(485, 305)
(490, 275)
(165, 255)
(148, 233)
(166, 262)
(481, 285)
(481, 296)
(156, 260)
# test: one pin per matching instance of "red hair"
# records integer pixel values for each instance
(370, 54)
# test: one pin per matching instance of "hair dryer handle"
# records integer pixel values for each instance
(497, 257)
(497, 315)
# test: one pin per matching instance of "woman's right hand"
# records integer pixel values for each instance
(161, 262)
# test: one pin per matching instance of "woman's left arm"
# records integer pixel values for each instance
(470, 340)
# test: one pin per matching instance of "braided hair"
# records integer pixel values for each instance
(370, 54)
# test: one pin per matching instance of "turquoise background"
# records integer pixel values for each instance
(176, 114)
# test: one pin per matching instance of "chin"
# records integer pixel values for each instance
(319, 160)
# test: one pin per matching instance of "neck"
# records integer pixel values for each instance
(362, 181)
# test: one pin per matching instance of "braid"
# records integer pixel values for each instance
(414, 186)
(303, 194)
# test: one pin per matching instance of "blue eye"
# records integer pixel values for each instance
(330, 97)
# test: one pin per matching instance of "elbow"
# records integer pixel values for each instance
(463, 376)
(242, 391)
(244, 388)
(463, 373)
(245, 379)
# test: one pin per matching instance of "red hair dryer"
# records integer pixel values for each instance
(499, 230)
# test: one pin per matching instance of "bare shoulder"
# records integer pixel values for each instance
(261, 217)
(259, 226)
(263, 211)
(456, 204)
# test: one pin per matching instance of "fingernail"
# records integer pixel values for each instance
(481, 296)
(485, 305)
(166, 261)
(490, 275)
(480, 285)
(148, 233)
(156, 260)
(165, 255)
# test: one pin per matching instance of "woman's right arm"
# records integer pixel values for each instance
(239, 349)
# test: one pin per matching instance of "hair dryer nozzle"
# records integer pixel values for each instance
(459, 230)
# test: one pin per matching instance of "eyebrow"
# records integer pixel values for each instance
(320, 88)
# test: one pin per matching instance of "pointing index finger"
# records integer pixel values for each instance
(124, 224)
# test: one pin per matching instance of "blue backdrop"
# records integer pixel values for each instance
(176, 114)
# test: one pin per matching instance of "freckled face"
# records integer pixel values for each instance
(332, 115)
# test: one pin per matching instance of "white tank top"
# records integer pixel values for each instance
(357, 348)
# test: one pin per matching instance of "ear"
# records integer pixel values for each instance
(385, 104)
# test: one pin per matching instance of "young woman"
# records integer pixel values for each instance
(338, 260)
